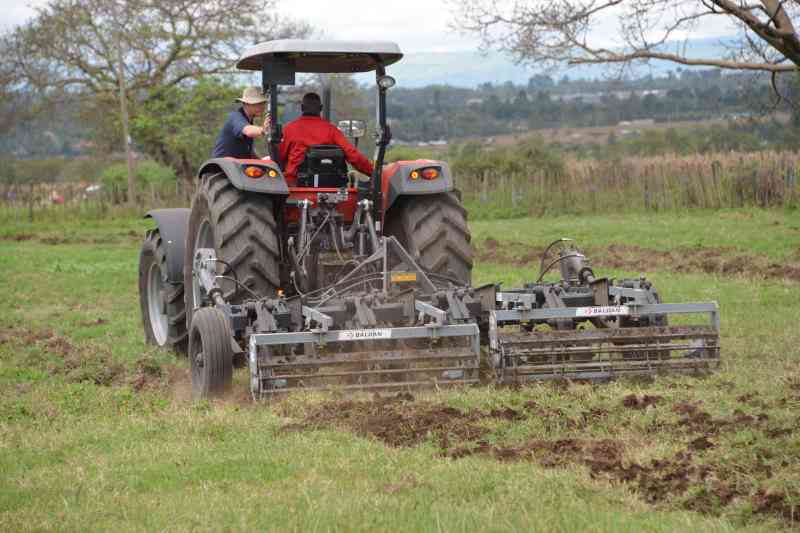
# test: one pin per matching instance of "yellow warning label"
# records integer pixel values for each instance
(404, 277)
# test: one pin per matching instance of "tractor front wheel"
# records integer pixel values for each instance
(210, 353)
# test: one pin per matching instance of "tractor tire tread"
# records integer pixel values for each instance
(210, 327)
(177, 334)
(245, 236)
(434, 230)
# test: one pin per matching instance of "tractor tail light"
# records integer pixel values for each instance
(414, 174)
(253, 172)
(430, 173)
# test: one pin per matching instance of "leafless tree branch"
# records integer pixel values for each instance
(579, 31)
(77, 43)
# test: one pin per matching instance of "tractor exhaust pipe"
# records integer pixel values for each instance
(384, 83)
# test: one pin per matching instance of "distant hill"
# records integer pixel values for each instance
(469, 68)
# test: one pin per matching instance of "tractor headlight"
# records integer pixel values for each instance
(386, 82)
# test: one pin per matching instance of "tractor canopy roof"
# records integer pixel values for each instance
(321, 56)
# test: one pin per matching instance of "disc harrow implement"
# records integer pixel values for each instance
(604, 353)
(386, 356)
(584, 327)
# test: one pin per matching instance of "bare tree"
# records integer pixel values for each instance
(120, 50)
(626, 31)
(78, 43)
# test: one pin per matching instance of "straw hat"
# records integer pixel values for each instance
(252, 95)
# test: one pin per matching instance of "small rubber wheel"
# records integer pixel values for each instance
(210, 353)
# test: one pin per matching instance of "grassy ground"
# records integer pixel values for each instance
(97, 430)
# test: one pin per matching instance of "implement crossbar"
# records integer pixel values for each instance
(325, 337)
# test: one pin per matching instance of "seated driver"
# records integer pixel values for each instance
(311, 129)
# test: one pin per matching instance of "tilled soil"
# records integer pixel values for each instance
(398, 421)
(688, 478)
(58, 355)
(714, 260)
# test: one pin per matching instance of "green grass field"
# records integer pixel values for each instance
(98, 432)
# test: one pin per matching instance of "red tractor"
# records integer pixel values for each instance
(326, 281)
(266, 237)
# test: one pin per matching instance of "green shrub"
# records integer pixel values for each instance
(83, 169)
(523, 160)
(37, 170)
(147, 172)
(8, 171)
(410, 153)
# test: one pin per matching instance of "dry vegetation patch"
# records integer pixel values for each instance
(54, 239)
(708, 260)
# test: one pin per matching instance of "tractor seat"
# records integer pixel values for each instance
(324, 166)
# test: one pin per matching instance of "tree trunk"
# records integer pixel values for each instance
(30, 203)
(123, 108)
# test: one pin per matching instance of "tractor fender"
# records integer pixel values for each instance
(234, 170)
(397, 180)
(173, 224)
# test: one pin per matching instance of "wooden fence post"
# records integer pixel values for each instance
(30, 202)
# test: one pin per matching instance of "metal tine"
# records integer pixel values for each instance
(608, 353)
(361, 357)
(618, 364)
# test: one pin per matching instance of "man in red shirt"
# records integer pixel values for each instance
(309, 130)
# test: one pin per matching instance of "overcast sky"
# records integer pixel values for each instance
(417, 25)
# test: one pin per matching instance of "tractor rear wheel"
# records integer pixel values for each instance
(241, 228)
(210, 353)
(161, 302)
(433, 229)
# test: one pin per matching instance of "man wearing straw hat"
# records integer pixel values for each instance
(236, 137)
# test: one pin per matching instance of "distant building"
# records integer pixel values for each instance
(639, 122)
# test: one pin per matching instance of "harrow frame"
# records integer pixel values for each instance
(603, 353)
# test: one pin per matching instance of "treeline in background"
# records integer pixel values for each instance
(529, 179)
(81, 94)
(692, 139)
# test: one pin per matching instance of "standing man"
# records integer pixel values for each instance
(236, 137)
(311, 129)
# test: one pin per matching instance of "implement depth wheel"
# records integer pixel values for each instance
(210, 353)
(161, 302)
